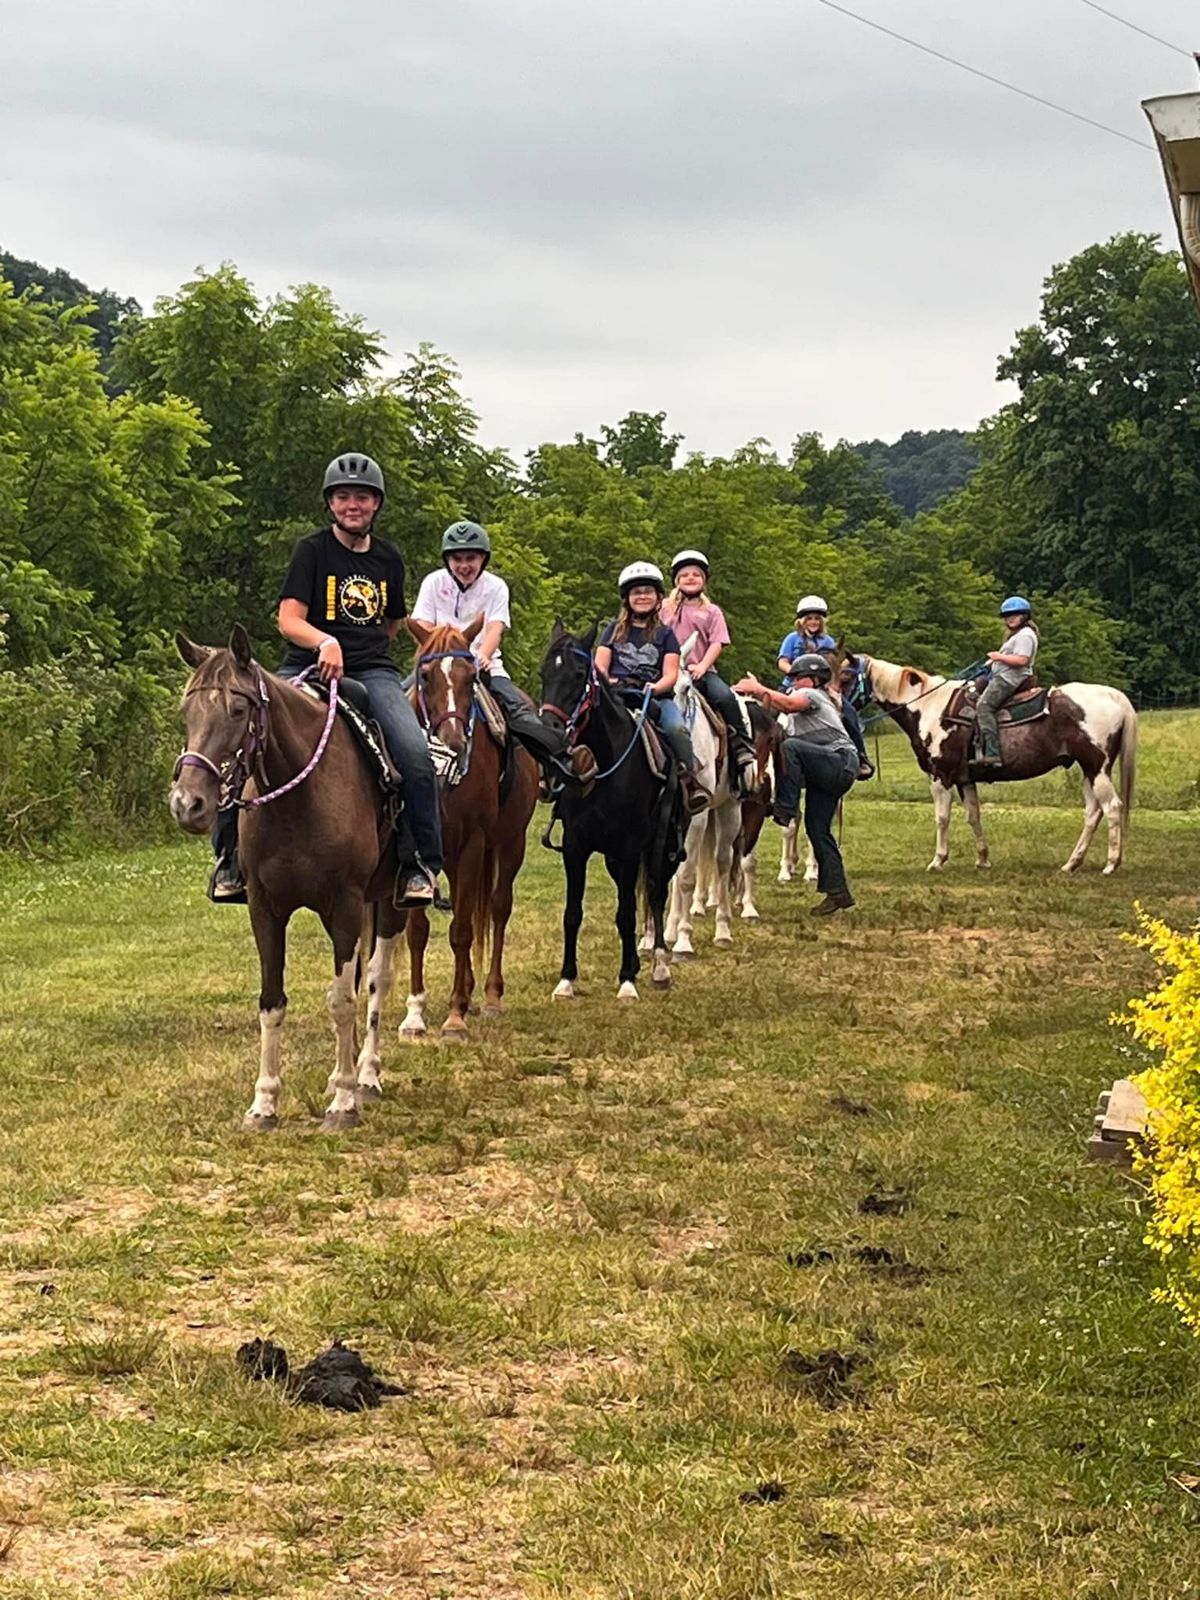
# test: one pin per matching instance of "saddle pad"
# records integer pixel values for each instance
(489, 706)
(365, 731)
(653, 747)
(1026, 706)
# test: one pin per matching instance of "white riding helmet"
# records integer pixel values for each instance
(689, 558)
(638, 572)
(811, 602)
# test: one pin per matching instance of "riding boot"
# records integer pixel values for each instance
(576, 766)
(989, 755)
(841, 900)
(695, 798)
(744, 761)
(227, 887)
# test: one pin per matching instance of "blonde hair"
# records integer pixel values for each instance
(678, 598)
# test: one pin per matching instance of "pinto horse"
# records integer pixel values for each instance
(324, 842)
(627, 814)
(1087, 724)
(483, 831)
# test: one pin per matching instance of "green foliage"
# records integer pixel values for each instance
(921, 469)
(103, 311)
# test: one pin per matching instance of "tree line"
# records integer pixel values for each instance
(156, 475)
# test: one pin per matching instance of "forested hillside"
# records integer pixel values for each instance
(921, 469)
(172, 498)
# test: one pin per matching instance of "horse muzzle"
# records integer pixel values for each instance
(192, 804)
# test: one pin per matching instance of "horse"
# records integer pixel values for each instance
(1088, 724)
(326, 843)
(713, 831)
(484, 825)
(754, 809)
(630, 815)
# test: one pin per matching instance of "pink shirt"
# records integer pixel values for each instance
(706, 622)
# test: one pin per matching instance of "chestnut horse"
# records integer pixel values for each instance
(483, 830)
(324, 842)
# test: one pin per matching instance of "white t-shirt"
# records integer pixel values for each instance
(440, 601)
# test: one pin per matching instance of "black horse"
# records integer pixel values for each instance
(628, 814)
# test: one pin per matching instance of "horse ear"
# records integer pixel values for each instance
(587, 641)
(914, 679)
(419, 630)
(472, 628)
(239, 644)
(194, 654)
(558, 631)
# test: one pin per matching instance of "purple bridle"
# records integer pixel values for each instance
(249, 758)
(432, 724)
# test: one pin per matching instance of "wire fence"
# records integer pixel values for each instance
(1182, 700)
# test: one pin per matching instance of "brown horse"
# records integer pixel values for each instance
(324, 843)
(483, 830)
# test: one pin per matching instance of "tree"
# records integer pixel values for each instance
(639, 441)
(921, 469)
(103, 311)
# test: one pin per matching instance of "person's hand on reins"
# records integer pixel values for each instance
(330, 664)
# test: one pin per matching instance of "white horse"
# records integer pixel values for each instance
(723, 816)
(1085, 723)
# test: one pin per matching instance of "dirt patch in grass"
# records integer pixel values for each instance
(467, 1549)
(497, 1191)
(919, 1093)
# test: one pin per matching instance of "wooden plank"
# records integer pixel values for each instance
(1119, 1124)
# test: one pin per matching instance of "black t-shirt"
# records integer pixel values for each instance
(349, 594)
(638, 658)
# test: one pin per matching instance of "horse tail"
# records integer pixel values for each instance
(1128, 755)
(481, 909)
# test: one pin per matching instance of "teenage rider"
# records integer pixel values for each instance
(340, 607)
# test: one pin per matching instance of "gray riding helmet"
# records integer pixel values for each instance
(353, 471)
(463, 536)
(812, 666)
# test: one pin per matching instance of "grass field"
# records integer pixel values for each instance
(820, 1217)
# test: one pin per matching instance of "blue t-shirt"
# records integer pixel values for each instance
(638, 659)
(797, 644)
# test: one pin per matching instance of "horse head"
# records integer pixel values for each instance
(224, 711)
(568, 677)
(445, 680)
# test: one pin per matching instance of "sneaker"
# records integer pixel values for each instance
(227, 887)
(842, 901)
(416, 889)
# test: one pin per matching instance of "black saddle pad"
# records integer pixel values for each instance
(1027, 709)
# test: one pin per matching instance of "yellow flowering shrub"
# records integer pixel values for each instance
(1167, 1020)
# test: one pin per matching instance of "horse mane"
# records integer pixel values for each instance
(445, 636)
(889, 680)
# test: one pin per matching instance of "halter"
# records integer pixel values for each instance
(575, 721)
(249, 758)
(446, 760)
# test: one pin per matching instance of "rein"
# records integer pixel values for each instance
(577, 720)
(249, 759)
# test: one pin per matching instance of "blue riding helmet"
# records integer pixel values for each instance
(1014, 604)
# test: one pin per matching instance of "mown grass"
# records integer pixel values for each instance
(604, 1249)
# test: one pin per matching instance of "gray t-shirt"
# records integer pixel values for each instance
(820, 724)
(1022, 643)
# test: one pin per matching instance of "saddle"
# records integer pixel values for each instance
(1026, 705)
(352, 707)
(696, 705)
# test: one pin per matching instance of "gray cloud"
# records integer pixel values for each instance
(762, 218)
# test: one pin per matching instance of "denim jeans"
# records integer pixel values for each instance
(523, 721)
(853, 726)
(406, 744)
(722, 699)
(668, 719)
(827, 774)
(993, 697)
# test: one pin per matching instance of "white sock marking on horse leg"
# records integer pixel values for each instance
(269, 1082)
(564, 989)
(1092, 812)
(975, 818)
(414, 1016)
(749, 884)
(343, 1009)
(943, 798)
(627, 991)
(381, 973)
(1110, 802)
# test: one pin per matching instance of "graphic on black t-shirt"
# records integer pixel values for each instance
(359, 598)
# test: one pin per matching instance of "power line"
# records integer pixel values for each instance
(976, 72)
(1145, 32)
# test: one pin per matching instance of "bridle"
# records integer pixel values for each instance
(446, 759)
(249, 758)
(575, 721)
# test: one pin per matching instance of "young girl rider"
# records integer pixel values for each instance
(639, 650)
(810, 636)
(1012, 667)
(462, 589)
(690, 614)
(824, 759)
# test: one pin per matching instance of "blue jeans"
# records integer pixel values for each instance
(408, 749)
(668, 719)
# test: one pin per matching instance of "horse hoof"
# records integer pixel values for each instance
(492, 1011)
(413, 1035)
(724, 944)
(661, 982)
(1069, 867)
(1108, 870)
(983, 866)
(253, 1123)
(751, 916)
(340, 1121)
(627, 991)
(646, 945)
(565, 990)
(368, 1091)
(454, 1035)
(683, 955)
(935, 865)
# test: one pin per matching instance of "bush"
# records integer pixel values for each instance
(1167, 1020)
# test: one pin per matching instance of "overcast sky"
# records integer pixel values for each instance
(757, 215)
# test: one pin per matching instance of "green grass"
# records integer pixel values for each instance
(604, 1249)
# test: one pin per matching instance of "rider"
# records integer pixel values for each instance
(637, 651)
(340, 606)
(809, 637)
(463, 589)
(692, 615)
(1012, 668)
(823, 758)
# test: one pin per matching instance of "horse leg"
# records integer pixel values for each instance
(679, 924)
(462, 932)
(727, 824)
(1092, 812)
(625, 873)
(787, 853)
(270, 935)
(970, 800)
(381, 974)
(413, 1026)
(501, 908)
(575, 865)
(942, 800)
(343, 928)
(1114, 815)
(749, 884)
(810, 858)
